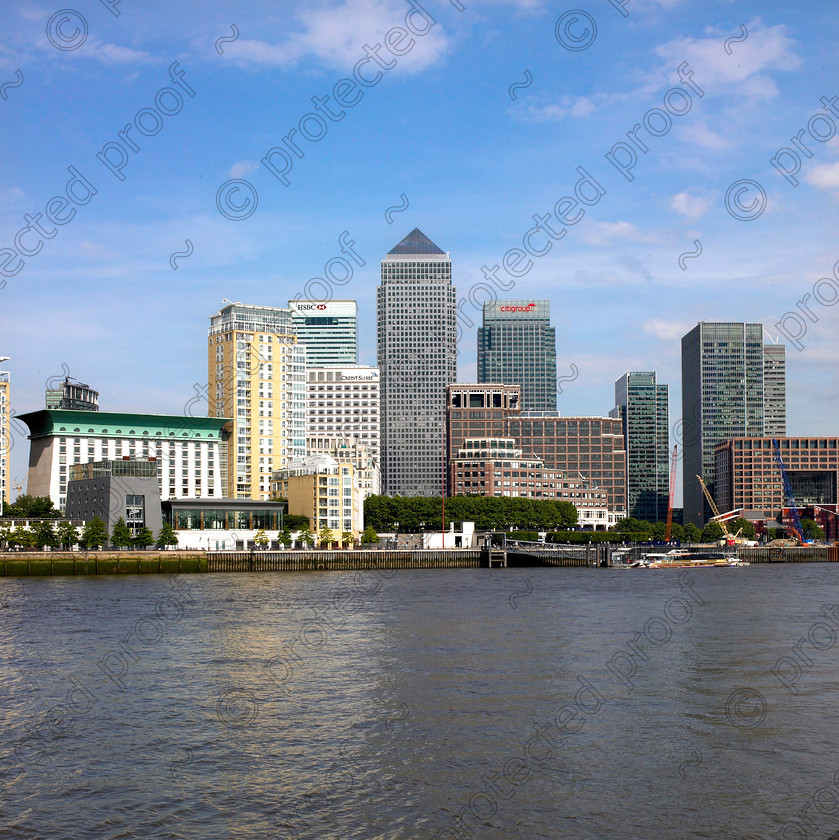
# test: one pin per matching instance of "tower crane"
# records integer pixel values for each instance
(718, 517)
(789, 498)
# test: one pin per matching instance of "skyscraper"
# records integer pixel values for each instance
(327, 329)
(642, 406)
(257, 376)
(723, 397)
(417, 355)
(775, 389)
(517, 346)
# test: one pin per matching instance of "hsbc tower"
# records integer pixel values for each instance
(517, 346)
(327, 329)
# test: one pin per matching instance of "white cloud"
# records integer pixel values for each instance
(568, 107)
(601, 233)
(11, 195)
(692, 206)
(242, 168)
(667, 330)
(825, 176)
(765, 48)
(337, 35)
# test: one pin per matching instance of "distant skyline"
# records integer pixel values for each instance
(474, 135)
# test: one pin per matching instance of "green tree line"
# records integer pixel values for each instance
(418, 513)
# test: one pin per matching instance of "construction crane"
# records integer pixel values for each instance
(718, 517)
(672, 492)
(789, 498)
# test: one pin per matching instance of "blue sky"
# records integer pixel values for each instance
(474, 159)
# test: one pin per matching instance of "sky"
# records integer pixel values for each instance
(125, 122)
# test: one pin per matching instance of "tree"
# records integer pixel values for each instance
(692, 533)
(630, 525)
(32, 507)
(294, 522)
(712, 532)
(261, 538)
(67, 534)
(677, 532)
(144, 538)
(327, 537)
(811, 529)
(369, 536)
(121, 535)
(45, 535)
(347, 539)
(284, 537)
(94, 533)
(22, 537)
(745, 527)
(306, 536)
(167, 536)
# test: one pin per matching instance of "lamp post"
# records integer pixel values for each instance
(4, 439)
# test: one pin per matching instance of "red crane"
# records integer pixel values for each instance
(672, 493)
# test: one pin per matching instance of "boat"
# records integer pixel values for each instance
(680, 558)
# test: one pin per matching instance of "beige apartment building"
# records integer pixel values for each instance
(257, 376)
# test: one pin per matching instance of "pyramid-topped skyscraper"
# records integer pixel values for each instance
(417, 341)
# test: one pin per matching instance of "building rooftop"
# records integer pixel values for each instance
(55, 421)
(416, 243)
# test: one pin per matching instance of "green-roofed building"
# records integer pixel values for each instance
(190, 452)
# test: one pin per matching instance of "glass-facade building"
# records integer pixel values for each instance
(724, 396)
(517, 346)
(72, 396)
(417, 359)
(775, 390)
(641, 404)
(327, 329)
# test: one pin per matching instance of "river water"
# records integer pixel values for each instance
(520, 703)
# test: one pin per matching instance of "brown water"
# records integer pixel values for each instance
(532, 703)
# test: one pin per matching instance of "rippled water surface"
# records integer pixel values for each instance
(529, 703)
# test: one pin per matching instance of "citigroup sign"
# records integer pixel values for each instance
(529, 308)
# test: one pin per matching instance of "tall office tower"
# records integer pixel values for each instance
(257, 376)
(642, 406)
(72, 396)
(5, 440)
(328, 330)
(775, 390)
(417, 354)
(343, 402)
(723, 397)
(517, 346)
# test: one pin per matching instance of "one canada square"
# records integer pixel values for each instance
(417, 341)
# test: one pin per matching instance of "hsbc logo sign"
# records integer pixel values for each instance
(308, 307)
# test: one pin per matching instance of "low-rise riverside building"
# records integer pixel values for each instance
(190, 452)
(497, 467)
(324, 490)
